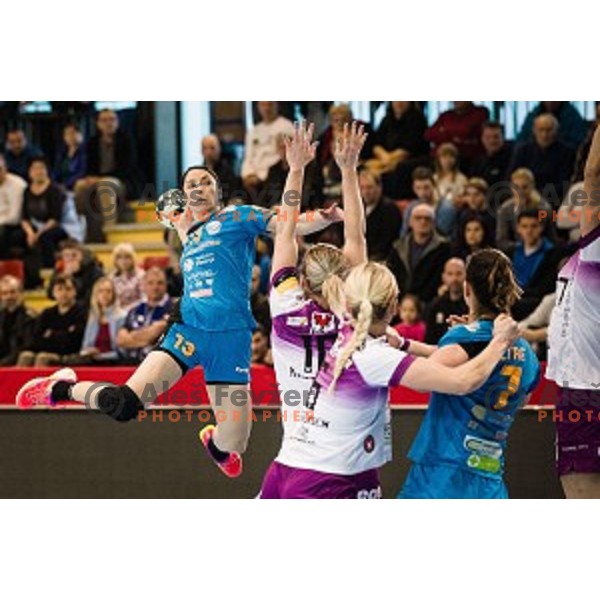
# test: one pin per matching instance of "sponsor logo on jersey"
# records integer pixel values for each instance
(300, 375)
(297, 321)
(322, 322)
(482, 447)
(242, 370)
(207, 293)
(188, 265)
(213, 227)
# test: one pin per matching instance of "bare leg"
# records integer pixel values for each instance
(157, 373)
(579, 486)
(233, 412)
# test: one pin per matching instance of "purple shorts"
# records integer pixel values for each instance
(283, 482)
(577, 419)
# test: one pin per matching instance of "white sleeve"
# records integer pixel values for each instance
(591, 252)
(381, 365)
(286, 294)
(15, 206)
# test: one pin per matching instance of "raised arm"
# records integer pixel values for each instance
(428, 375)
(347, 152)
(299, 151)
(591, 186)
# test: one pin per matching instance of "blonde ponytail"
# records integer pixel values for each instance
(370, 289)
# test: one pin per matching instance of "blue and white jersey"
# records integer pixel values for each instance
(470, 432)
(216, 264)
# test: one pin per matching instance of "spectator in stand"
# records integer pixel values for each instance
(19, 152)
(146, 321)
(212, 155)
(572, 128)
(460, 126)
(42, 213)
(58, 331)
(475, 205)
(12, 189)
(450, 300)
(473, 235)
(111, 175)
(259, 302)
(450, 184)
(535, 260)
(417, 259)
(261, 352)
(410, 313)
(71, 161)
(384, 219)
(105, 318)
(126, 276)
(492, 164)
(261, 150)
(329, 173)
(76, 262)
(16, 321)
(525, 197)
(399, 147)
(550, 160)
(425, 192)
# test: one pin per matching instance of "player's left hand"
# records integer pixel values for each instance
(349, 145)
(506, 329)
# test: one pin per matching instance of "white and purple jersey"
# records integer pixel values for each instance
(302, 334)
(574, 332)
(349, 431)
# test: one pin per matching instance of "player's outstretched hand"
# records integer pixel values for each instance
(299, 148)
(349, 145)
(453, 320)
(506, 329)
(332, 213)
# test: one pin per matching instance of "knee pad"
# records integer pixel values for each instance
(121, 403)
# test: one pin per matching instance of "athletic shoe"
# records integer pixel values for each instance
(232, 465)
(38, 391)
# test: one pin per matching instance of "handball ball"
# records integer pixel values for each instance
(169, 207)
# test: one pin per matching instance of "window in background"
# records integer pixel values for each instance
(195, 124)
(115, 105)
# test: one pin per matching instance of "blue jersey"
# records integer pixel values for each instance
(216, 263)
(470, 432)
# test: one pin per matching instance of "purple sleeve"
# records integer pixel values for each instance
(402, 367)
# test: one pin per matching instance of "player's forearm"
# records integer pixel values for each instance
(591, 184)
(355, 246)
(311, 222)
(473, 374)
(420, 348)
(290, 205)
(592, 166)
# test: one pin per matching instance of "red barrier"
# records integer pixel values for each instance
(191, 391)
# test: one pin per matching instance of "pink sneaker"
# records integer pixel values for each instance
(37, 391)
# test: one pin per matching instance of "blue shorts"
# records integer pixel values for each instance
(224, 355)
(428, 481)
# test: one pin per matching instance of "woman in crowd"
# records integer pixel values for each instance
(126, 276)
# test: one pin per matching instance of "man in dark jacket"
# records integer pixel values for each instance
(384, 219)
(535, 259)
(58, 331)
(112, 175)
(16, 321)
(550, 160)
(417, 259)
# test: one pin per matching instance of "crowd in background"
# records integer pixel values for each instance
(433, 195)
